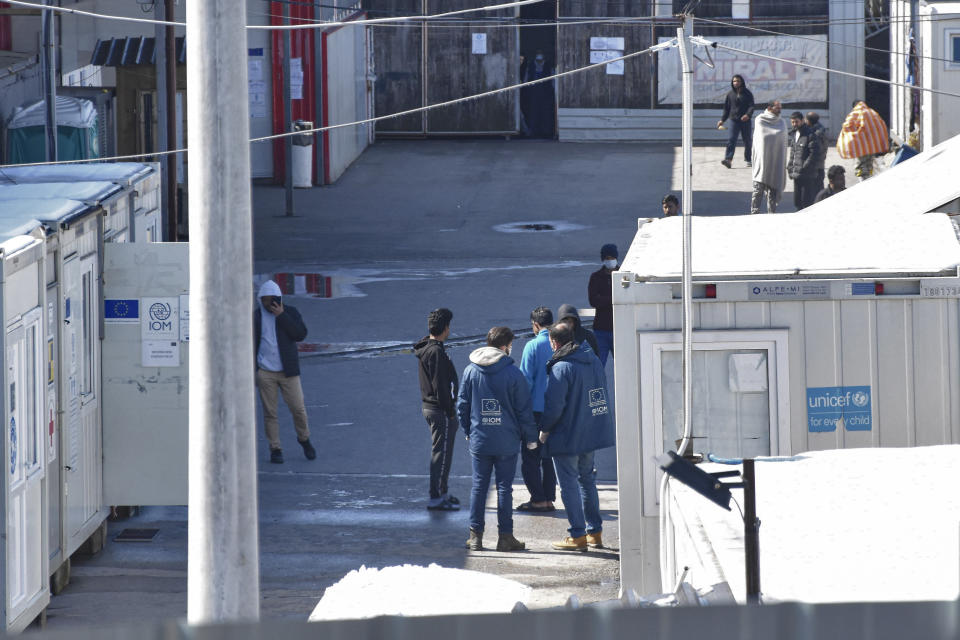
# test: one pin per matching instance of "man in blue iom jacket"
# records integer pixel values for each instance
(576, 422)
(494, 413)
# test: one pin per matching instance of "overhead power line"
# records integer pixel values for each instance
(700, 40)
(651, 49)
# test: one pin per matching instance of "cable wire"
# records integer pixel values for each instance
(829, 42)
(707, 43)
(651, 49)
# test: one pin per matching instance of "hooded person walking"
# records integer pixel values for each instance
(769, 158)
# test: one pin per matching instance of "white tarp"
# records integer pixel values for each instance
(767, 79)
(84, 191)
(71, 112)
(119, 172)
(877, 226)
(853, 525)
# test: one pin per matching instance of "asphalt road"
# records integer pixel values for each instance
(410, 227)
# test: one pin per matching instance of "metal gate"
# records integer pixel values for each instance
(425, 63)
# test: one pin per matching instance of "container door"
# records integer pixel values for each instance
(145, 373)
(26, 568)
(81, 349)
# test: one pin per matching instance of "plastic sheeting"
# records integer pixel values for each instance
(856, 525)
(877, 226)
(93, 192)
(71, 112)
(120, 172)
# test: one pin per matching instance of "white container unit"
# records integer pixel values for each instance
(25, 441)
(74, 246)
(815, 330)
(131, 212)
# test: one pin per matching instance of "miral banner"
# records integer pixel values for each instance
(789, 81)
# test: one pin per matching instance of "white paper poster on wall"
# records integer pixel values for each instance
(616, 44)
(767, 79)
(296, 78)
(613, 68)
(479, 43)
(256, 85)
(160, 353)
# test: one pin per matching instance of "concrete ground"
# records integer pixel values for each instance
(413, 225)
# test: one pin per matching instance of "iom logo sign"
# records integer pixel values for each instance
(161, 320)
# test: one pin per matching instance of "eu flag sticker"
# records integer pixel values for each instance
(121, 311)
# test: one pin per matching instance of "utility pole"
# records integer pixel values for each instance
(170, 47)
(686, 201)
(287, 114)
(50, 82)
(223, 564)
(160, 142)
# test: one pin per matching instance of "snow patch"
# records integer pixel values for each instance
(411, 590)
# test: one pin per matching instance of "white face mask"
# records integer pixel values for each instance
(610, 264)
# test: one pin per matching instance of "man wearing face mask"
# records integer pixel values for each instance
(600, 294)
(539, 114)
(277, 328)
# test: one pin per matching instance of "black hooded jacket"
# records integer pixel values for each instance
(438, 377)
(738, 105)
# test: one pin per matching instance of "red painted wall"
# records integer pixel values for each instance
(6, 39)
(301, 46)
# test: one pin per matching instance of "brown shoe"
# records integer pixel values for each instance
(594, 540)
(508, 543)
(571, 544)
(475, 541)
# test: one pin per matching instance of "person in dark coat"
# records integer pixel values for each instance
(438, 395)
(277, 328)
(738, 107)
(837, 182)
(802, 167)
(584, 337)
(495, 414)
(813, 121)
(600, 295)
(539, 98)
(576, 422)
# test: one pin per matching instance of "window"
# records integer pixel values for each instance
(951, 45)
(740, 397)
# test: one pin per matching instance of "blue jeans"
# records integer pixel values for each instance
(744, 129)
(605, 342)
(505, 468)
(578, 488)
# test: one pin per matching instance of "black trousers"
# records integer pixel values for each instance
(804, 191)
(537, 471)
(442, 432)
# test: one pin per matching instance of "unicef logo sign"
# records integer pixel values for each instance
(860, 399)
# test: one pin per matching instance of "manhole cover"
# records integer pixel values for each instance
(136, 535)
(538, 225)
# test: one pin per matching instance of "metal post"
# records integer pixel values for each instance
(160, 144)
(751, 533)
(170, 46)
(319, 174)
(50, 83)
(223, 565)
(686, 202)
(287, 115)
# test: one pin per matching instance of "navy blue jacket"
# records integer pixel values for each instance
(576, 412)
(290, 331)
(494, 404)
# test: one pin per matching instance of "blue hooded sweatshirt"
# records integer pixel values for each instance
(576, 411)
(494, 404)
(536, 353)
